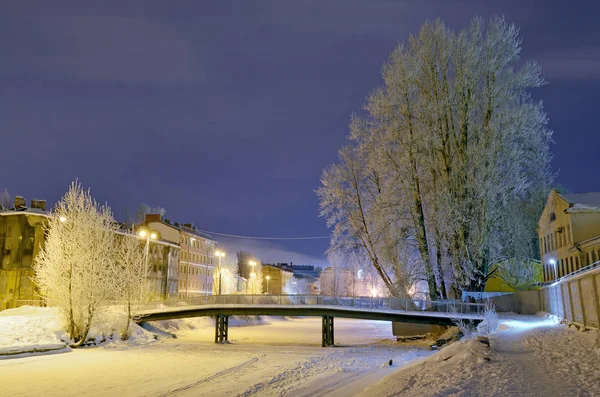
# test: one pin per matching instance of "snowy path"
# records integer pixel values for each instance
(530, 356)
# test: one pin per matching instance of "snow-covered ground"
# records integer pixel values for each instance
(530, 355)
(272, 356)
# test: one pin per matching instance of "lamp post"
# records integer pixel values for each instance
(268, 278)
(147, 236)
(220, 255)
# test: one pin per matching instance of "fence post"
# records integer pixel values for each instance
(579, 291)
(596, 298)
(571, 301)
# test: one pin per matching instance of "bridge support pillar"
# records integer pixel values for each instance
(327, 334)
(221, 328)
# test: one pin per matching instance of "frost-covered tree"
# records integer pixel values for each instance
(76, 267)
(145, 209)
(5, 200)
(518, 273)
(449, 169)
(131, 275)
(225, 278)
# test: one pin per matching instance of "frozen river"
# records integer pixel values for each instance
(273, 358)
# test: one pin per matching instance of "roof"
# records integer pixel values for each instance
(126, 232)
(278, 268)
(194, 231)
(25, 210)
(583, 202)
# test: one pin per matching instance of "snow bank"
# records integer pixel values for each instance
(31, 330)
(428, 376)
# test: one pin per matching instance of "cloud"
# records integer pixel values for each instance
(267, 252)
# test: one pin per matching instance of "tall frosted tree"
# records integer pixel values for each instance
(452, 160)
(75, 270)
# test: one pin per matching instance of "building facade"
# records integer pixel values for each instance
(569, 233)
(196, 259)
(163, 260)
(275, 279)
(21, 238)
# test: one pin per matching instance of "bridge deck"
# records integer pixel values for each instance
(421, 317)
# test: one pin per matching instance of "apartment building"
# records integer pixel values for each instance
(196, 259)
(569, 233)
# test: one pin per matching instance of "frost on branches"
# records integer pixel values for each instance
(76, 268)
(449, 170)
(131, 279)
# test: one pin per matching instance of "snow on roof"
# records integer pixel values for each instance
(25, 210)
(583, 202)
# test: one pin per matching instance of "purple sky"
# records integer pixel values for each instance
(226, 112)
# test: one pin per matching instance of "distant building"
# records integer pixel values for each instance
(163, 260)
(275, 279)
(569, 233)
(22, 236)
(196, 260)
(336, 281)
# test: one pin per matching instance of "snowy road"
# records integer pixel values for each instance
(274, 359)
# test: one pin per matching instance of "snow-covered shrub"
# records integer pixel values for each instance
(489, 325)
(466, 327)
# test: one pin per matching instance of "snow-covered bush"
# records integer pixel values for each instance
(466, 327)
(489, 325)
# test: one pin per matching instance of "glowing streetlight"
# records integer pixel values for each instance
(268, 278)
(553, 263)
(374, 292)
(62, 219)
(143, 233)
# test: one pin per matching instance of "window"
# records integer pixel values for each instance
(569, 239)
(552, 217)
(594, 257)
(571, 268)
(577, 262)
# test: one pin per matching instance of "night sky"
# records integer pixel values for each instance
(225, 112)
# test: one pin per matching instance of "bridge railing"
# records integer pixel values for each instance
(362, 302)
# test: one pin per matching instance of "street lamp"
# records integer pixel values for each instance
(148, 236)
(62, 219)
(220, 255)
(553, 263)
(268, 278)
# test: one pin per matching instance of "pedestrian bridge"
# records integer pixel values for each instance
(327, 307)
